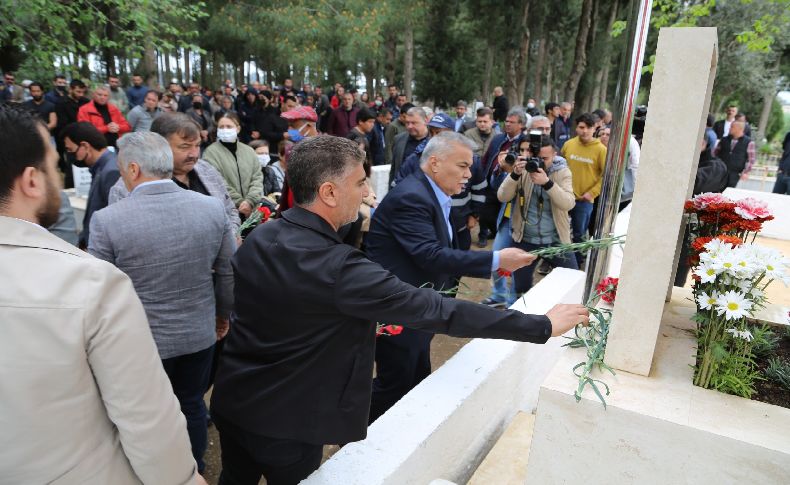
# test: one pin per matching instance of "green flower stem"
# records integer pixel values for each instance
(581, 247)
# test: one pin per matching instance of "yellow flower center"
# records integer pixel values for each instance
(727, 265)
(711, 272)
(769, 267)
(732, 306)
(711, 301)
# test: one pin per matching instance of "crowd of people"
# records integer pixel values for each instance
(282, 320)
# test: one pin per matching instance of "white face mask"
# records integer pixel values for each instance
(264, 159)
(530, 105)
(228, 135)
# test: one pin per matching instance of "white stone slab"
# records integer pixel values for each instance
(659, 429)
(779, 228)
(379, 180)
(444, 427)
(679, 99)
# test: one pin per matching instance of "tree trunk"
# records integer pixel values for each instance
(187, 67)
(369, 69)
(179, 72)
(168, 71)
(602, 79)
(148, 66)
(768, 101)
(580, 55)
(539, 62)
(203, 71)
(516, 55)
(549, 79)
(390, 57)
(408, 61)
(487, 88)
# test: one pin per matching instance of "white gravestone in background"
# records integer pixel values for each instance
(679, 100)
(82, 180)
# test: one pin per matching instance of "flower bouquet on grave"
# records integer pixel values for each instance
(730, 279)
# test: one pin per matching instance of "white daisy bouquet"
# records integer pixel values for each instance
(730, 283)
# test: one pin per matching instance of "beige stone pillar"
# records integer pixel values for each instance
(678, 106)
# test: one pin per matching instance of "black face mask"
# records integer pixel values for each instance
(197, 105)
(71, 157)
(61, 89)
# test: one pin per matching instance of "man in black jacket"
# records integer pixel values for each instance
(738, 152)
(297, 365)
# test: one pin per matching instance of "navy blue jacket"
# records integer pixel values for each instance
(408, 236)
(104, 174)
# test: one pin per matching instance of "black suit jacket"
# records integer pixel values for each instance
(408, 236)
(298, 360)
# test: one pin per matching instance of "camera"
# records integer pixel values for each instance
(534, 163)
(512, 154)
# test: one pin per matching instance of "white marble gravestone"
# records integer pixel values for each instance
(679, 99)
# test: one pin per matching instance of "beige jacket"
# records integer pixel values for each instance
(85, 399)
(560, 195)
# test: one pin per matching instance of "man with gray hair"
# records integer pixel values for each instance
(173, 244)
(413, 235)
(295, 372)
(405, 144)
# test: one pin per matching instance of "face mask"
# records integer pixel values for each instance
(197, 105)
(61, 89)
(71, 157)
(530, 105)
(294, 135)
(228, 135)
(378, 102)
(264, 159)
(37, 98)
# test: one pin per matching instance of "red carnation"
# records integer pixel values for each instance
(504, 273)
(607, 288)
(265, 213)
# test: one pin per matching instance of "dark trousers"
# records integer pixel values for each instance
(189, 376)
(402, 362)
(580, 220)
(782, 185)
(523, 276)
(489, 212)
(733, 178)
(247, 456)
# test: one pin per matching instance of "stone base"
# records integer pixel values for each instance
(658, 429)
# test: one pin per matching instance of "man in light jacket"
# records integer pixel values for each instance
(541, 195)
(85, 398)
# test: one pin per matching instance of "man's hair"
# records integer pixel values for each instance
(742, 124)
(600, 113)
(149, 150)
(384, 112)
(417, 111)
(101, 87)
(441, 144)
(58, 76)
(36, 84)
(291, 97)
(82, 131)
(485, 112)
(317, 160)
(550, 106)
(21, 146)
(113, 76)
(534, 119)
(518, 111)
(154, 91)
(566, 103)
(76, 83)
(461, 103)
(710, 121)
(365, 115)
(586, 118)
(180, 124)
(406, 107)
(255, 144)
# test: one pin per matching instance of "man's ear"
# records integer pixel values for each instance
(327, 193)
(31, 183)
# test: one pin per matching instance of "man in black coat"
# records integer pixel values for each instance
(738, 152)
(501, 105)
(295, 372)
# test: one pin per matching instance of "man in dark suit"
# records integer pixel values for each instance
(412, 235)
(738, 152)
(297, 375)
(722, 127)
(406, 143)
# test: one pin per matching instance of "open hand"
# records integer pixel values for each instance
(511, 259)
(564, 317)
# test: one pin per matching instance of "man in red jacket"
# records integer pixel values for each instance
(105, 116)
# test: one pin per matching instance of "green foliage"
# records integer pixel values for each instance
(779, 372)
(765, 341)
(593, 339)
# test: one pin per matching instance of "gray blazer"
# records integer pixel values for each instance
(214, 183)
(172, 243)
(398, 147)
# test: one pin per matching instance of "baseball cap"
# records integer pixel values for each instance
(442, 120)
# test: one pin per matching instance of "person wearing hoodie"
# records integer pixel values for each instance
(541, 197)
(237, 163)
(586, 157)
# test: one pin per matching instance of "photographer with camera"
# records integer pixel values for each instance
(540, 191)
